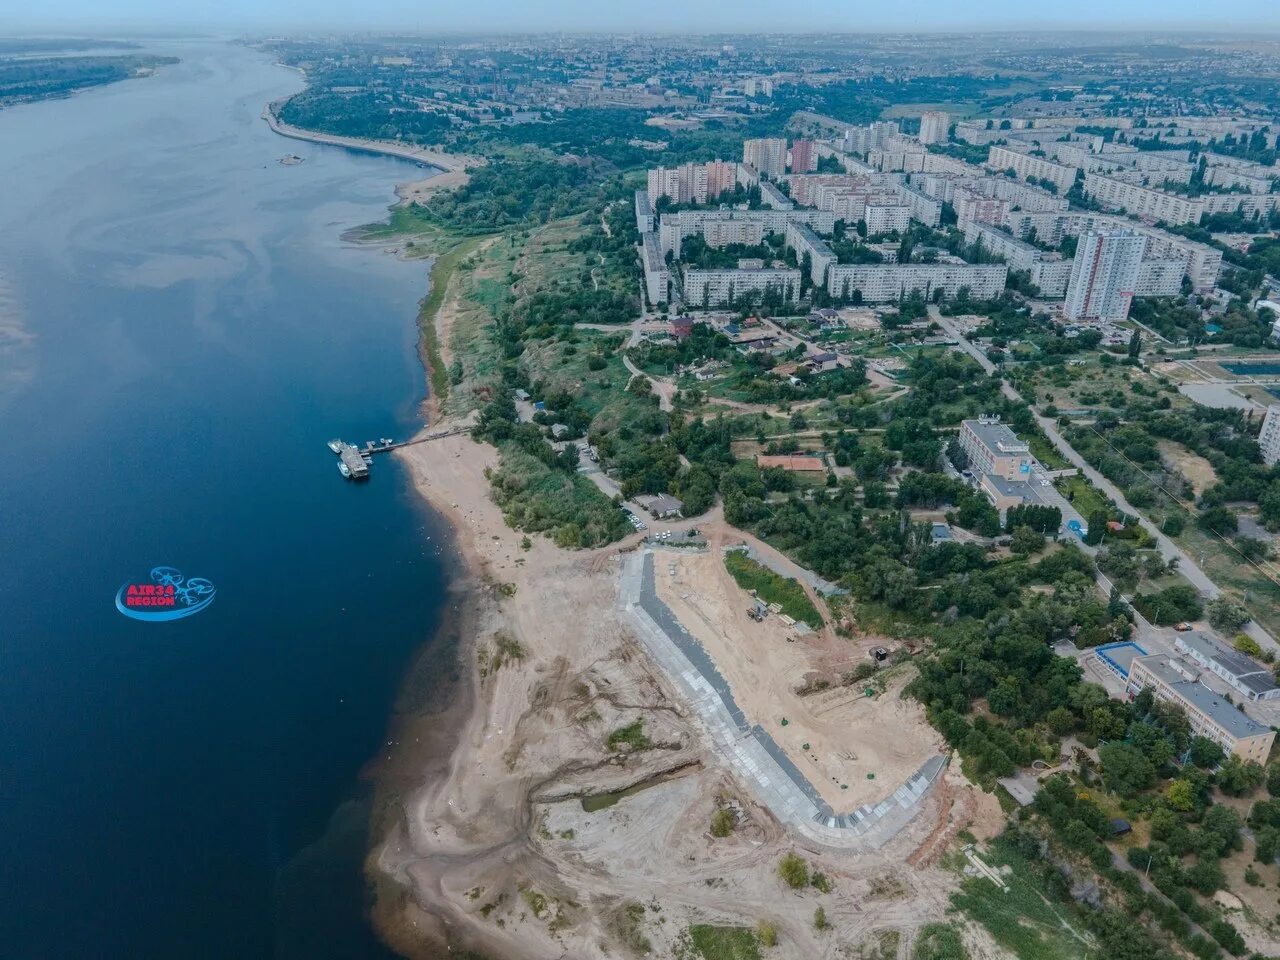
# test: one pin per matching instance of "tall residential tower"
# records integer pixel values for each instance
(1104, 275)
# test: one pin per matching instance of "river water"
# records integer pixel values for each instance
(181, 330)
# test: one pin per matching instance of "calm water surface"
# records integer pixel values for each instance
(181, 330)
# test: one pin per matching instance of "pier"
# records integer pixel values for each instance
(354, 461)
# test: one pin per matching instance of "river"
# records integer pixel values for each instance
(181, 330)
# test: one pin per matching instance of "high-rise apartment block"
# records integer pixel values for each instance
(804, 156)
(1105, 275)
(768, 156)
(935, 126)
(1269, 438)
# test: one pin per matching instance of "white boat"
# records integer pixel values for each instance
(335, 446)
(344, 470)
(387, 441)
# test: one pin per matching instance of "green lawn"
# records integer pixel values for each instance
(1082, 496)
(724, 943)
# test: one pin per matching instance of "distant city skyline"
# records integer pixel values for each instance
(659, 16)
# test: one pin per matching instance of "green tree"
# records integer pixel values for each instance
(1126, 769)
(1226, 613)
(1026, 541)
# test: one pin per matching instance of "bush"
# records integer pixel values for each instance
(794, 871)
(722, 823)
(767, 933)
(820, 919)
(632, 735)
(939, 941)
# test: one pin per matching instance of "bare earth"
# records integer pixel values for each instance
(489, 846)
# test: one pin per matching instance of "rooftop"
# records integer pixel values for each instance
(1250, 673)
(1226, 716)
(995, 436)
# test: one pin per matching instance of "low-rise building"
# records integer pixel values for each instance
(1210, 715)
(1250, 678)
(995, 449)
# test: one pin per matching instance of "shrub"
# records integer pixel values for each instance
(721, 823)
(794, 871)
(767, 933)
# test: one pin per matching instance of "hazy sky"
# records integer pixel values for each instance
(648, 15)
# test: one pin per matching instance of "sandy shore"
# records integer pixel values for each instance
(481, 839)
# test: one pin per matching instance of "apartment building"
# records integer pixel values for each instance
(886, 283)
(1245, 204)
(722, 227)
(774, 198)
(657, 277)
(804, 156)
(801, 238)
(1140, 201)
(646, 222)
(1104, 275)
(1159, 278)
(692, 182)
(767, 155)
(1025, 166)
(1269, 437)
(1210, 715)
(717, 288)
(886, 217)
(1049, 271)
(935, 126)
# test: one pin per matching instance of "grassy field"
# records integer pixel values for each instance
(1082, 496)
(772, 588)
(1022, 920)
(1232, 572)
(723, 943)
(442, 272)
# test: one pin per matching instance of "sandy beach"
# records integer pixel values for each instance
(505, 821)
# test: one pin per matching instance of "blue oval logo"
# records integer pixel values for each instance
(168, 596)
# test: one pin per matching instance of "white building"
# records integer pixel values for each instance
(1048, 270)
(657, 278)
(1142, 201)
(1247, 676)
(767, 155)
(1269, 438)
(1025, 166)
(716, 288)
(935, 126)
(722, 227)
(885, 283)
(1104, 275)
(886, 218)
(802, 239)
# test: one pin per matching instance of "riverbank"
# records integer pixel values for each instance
(452, 167)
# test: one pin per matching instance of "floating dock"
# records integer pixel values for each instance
(349, 457)
(354, 462)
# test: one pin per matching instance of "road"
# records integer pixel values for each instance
(1168, 549)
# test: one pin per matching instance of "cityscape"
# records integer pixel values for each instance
(824, 505)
